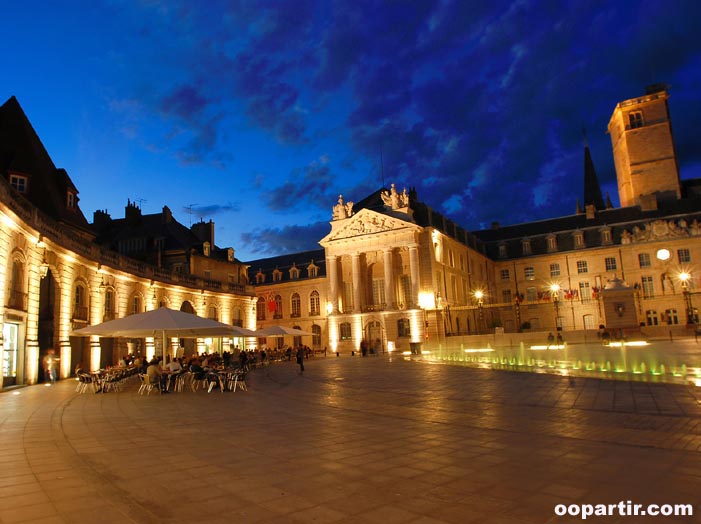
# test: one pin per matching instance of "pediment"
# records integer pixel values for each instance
(365, 222)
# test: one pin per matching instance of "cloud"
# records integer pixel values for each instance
(283, 240)
(307, 186)
(211, 210)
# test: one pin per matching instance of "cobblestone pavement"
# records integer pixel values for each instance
(353, 440)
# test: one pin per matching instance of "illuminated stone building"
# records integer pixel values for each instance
(391, 271)
(59, 273)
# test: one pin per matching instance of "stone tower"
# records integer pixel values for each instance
(643, 149)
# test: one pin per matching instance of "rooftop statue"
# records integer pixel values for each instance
(395, 200)
(342, 210)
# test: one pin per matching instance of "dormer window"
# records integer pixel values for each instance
(19, 183)
(552, 243)
(71, 200)
(502, 251)
(312, 270)
(294, 272)
(526, 246)
(606, 236)
(277, 275)
(260, 277)
(206, 248)
(578, 239)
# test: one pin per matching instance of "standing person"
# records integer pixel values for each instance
(300, 359)
(51, 365)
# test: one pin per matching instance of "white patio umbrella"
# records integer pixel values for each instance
(163, 322)
(281, 331)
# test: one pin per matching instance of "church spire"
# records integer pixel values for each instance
(592, 190)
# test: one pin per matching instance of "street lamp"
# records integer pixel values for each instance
(479, 296)
(684, 277)
(555, 292)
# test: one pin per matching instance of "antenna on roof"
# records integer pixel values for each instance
(140, 201)
(188, 209)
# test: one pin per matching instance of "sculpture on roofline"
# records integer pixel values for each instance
(395, 200)
(342, 210)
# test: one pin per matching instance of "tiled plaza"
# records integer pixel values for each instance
(353, 440)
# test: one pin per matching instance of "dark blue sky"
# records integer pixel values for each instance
(258, 114)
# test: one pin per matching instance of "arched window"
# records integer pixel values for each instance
(260, 309)
(109, 305)
(80, 306)
(278, 306)
(237, 320)
(212, 315)
(17, 298)
(296, 306)
(136, 305)
(314, 307)
(316, 338)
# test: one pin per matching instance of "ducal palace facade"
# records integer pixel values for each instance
(391, 272)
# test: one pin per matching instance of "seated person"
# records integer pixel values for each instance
(174, 366)
(155, 376)
(197, 369)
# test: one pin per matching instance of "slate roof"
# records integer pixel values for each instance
(284, 263)
(22, 152)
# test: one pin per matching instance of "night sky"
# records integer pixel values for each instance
(256, 115)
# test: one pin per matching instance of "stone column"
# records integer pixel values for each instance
(414, 270)
(357, 284)
(389, 280)
(332, 266)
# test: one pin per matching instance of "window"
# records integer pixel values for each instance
(345, 330)
(294, 272)
(403, 327)
(552, 243)
(109, 305)
(19, 183)
(531, 294)
(636, 120)
(554, 270)
(316, 335)
(462, 262)
(278, 307)
(610, 263)
(506, 296)
(314, 307)
(212, 314)
(296, 305)
(582, 266)
(136, 305)
(648, 288)
(277, 275)
(644, 259)
(378, 291)
(260, 277)
(505, 274)
(529, 273)
(260, 309)
(526, 246)
(313, 271)
(578, 239)
(606, 237)
(584, 291)
(71, 200)
(347, 297)
(671, 316)
(405, 290)
(502, 251)
(651, 317)
(451, 258)
(684, 255)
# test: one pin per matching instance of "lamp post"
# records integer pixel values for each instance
(479, 296)
(684, 277)
(555, 292)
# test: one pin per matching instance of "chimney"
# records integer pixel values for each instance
(166, 215)
(132, 213)
(204, 231)
(101, 220)
(590, 211)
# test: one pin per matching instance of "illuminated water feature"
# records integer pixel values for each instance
(654, 361)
